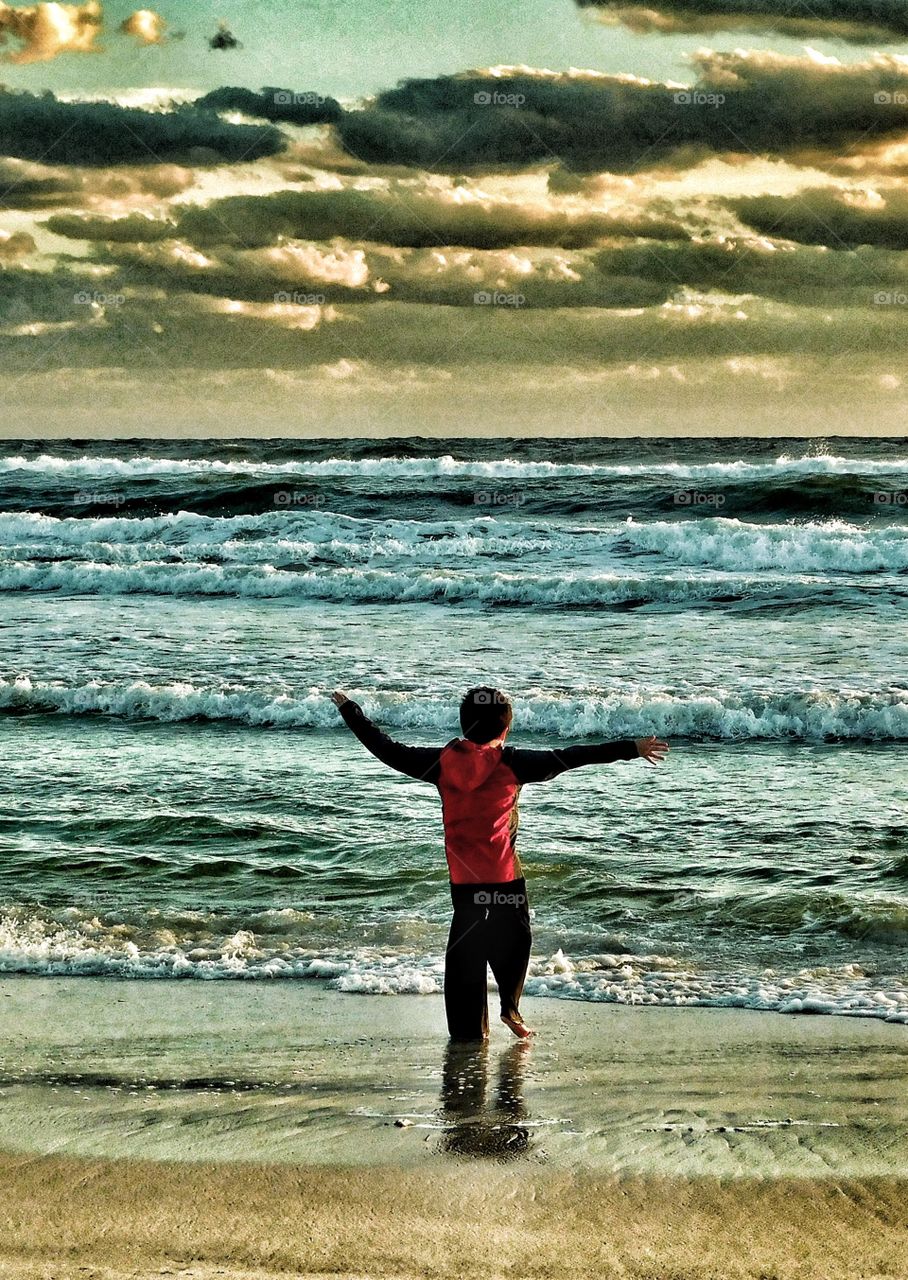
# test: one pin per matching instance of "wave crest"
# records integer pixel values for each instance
(813, 714)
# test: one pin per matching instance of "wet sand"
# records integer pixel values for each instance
(256, 1129)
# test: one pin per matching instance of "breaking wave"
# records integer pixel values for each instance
(813, 714)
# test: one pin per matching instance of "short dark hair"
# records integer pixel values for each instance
(485, 713)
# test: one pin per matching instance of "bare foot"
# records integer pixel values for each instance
(517, 1025)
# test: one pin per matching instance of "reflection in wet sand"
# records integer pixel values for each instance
(471, 1127)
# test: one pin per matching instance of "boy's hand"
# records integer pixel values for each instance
(653, 750)
(339, 698)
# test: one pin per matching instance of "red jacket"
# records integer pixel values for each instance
(479, 807)
(479, 786)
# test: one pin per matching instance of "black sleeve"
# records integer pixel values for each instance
(542, 766)
(415, 762)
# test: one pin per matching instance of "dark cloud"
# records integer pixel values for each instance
(42, 296)
(828, 216)
(858, 21)
(43, 128)
(15, 244)
(401, 217)
(224, 39)
(134, 228)
(741, 103)
(748, 267)
(278, 105)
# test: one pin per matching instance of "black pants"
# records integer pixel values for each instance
(491, 926)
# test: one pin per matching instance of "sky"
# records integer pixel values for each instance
(567, 216)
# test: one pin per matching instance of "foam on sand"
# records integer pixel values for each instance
(82, 944)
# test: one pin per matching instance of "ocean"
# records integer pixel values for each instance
(180, 799)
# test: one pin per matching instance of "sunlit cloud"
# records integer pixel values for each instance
(146, 26)
(44, 31)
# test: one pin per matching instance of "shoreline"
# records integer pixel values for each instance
(296, 1073)
(247, 1131)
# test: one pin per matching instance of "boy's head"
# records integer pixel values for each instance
(485, 714)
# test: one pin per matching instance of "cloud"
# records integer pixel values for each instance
(828, 216)
(278, 105)
(345, 396)
(858, 21)
(746, 267)
(15, 244)
(728, 272)
(45, 30)
(325, 153)
(400, 215)
(343, 272)
(183, 331)
(132, 228)
(44, 128)
(254, 275)
(224, 39)
(622, 281)
(209, 363)
(443, 245)
(741, 103)
(146, 26)
(732, 273)
(30, 186)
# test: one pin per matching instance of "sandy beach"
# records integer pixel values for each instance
(255, 1129)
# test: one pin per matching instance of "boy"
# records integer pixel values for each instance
(479, 780)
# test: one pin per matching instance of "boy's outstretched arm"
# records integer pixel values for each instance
(415, 762)
(542, 766)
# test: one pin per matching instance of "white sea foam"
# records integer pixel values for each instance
(395, 468)
(795, 548)
(439, 585)
(83, 945)
(719, 543)
(811, 714)
(312, 525)
(262, 540)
